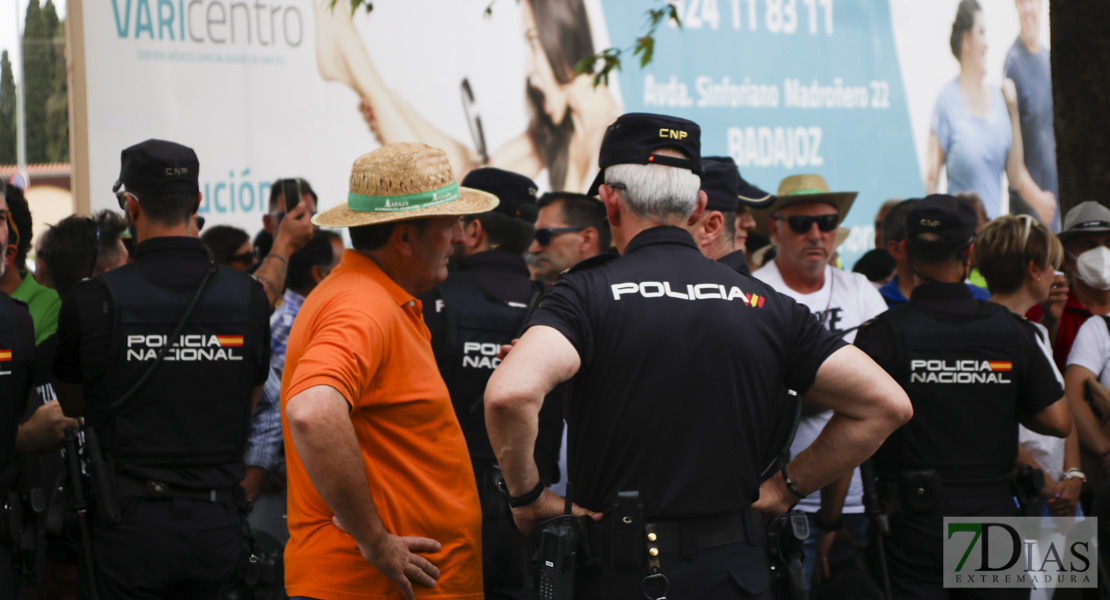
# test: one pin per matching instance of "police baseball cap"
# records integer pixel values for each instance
(156, 167)
(1085, 217)
(635, 137)
(951, 222)
(726, 189)
(516, 192)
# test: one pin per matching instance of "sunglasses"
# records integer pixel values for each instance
(543, 236)
(802, 224)
(246, 257)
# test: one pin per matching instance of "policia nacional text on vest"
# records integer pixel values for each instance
(173, 411)
(186, 414)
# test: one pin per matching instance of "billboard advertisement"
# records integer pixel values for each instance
(262, 89)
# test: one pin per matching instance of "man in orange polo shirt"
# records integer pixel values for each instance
(381, 491)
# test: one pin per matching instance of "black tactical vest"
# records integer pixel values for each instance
(17, 360)
(476, 325)
(194, 411)
(963, 377)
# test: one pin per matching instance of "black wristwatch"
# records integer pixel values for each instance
(524, 499)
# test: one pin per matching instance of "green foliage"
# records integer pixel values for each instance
(603, 63)
(355, 4)
(7, 111)
(46, 105)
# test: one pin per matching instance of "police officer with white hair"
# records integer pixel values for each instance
(675, 363)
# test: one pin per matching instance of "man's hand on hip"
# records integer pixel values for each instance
(396, 557)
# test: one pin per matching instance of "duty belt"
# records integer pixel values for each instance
(130, 487)
(683, 535)
(922, 495)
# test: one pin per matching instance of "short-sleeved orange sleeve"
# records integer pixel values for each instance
(344, 351)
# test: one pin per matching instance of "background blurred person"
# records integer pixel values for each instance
(877, 265)
(1086, 239)
(569, 114)
(264, 458)
(1019, 257)
(15, 281)
(42, 274)
(275, 212)
(975, 133)
(570, 228)
(230, 247)
(880, 216)
(976, 202)
(111, 252)
(1028, 65)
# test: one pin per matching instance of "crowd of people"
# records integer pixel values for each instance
(493, 392)
(364, 408)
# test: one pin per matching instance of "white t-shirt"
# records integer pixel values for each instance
(1048, 451)
(845, 302)
(1091, 349)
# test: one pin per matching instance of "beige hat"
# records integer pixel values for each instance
(803, 189)
(403, 181)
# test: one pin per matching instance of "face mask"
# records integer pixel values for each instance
(1093, 268)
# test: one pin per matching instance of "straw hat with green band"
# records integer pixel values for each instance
(403, 181)
(803, 189)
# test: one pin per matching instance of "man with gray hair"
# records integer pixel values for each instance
(676, 362)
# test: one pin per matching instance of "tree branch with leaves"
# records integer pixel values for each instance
(603, 63)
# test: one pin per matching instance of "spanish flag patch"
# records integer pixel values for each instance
(1001, 365)
(5, 355)
(230, 341)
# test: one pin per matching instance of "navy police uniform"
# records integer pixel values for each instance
(682, 364)
(481, 306)
(970, 368)
(683, 360)
(17, 363)
(177, 444)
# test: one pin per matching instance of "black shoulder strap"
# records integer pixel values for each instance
(1106, 319)
(115, 406)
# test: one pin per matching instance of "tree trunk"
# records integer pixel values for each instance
(1080, 32)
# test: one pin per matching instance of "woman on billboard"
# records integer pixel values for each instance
(975, 132)
(568, 114)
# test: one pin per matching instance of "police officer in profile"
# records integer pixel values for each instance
(164, 357)
(727, 194)
(676, 363)
(17, 365)
(481, 306)
(972, 370)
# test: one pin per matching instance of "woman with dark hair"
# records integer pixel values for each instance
(569, 115)
(975, 133)
(230, 246)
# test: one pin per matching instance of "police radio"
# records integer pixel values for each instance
(554, 561)
(557, 554)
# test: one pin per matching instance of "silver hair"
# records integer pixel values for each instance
(658, 191)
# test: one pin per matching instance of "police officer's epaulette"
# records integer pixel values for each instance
(21, 303)
(591, 262)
